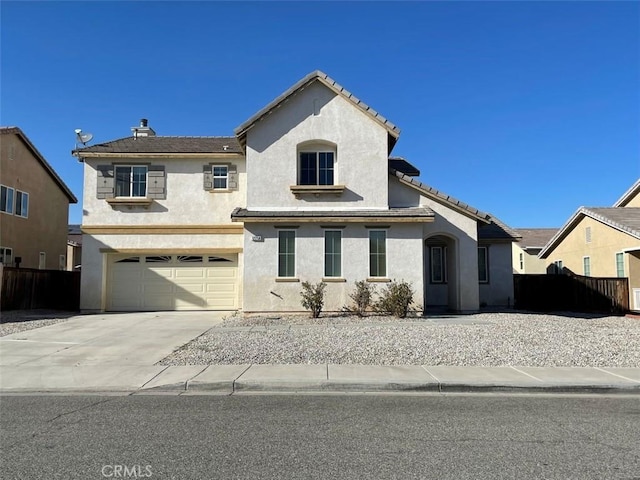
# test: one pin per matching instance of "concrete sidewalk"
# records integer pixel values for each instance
(238, 379)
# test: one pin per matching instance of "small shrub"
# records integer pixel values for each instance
(313, 297)
(395, 299)
(362, 297)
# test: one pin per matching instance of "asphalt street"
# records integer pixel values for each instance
(323, 437)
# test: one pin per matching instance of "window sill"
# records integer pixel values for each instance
(130, 202)
(317, 190)
(219, 190)
(287, 279)
(378, 280)
(333, 279)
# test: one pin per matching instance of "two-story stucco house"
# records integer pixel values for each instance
(34, 206)
(306, 190)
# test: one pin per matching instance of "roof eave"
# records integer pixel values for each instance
(406, 180)
(34, 151)
(241, 130)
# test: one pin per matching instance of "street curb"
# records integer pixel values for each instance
(231, 388)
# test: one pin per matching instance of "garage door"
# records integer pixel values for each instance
(172, 282)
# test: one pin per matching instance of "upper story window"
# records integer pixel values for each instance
(131, 180)
(130, 184)
(317, 168)
(6, 199)
(22, 204)
(220, 176)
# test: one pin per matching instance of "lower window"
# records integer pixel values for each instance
(378, 253)
(483, 264)
(6, 255)
(332, 253)
(286, 253)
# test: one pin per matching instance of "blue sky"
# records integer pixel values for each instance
(527, 110)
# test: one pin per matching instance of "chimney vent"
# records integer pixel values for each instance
(144, 130)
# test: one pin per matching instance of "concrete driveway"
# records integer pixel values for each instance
(132, 339)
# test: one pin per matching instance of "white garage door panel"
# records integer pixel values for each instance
(168, 283)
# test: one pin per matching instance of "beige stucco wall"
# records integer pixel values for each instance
(532, 264)
(605, 243)
(45, 229)
(360, 162)
(186, 202)
(633, 201)
(263, 293)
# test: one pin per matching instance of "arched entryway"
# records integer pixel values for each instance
(441, 282)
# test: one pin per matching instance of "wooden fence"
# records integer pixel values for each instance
(570, 292)
(28, 288)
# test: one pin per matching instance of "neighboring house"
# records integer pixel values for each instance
(305, 191)
(34, 206)
(601, 242)
(525, 251)
(74, 248)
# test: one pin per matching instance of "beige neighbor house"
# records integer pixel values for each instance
(601, 242)
(526, 250)
(34, 206)
(306, 190)
(74, 247)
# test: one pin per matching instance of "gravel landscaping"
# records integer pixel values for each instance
(15, 321)
(485, 339)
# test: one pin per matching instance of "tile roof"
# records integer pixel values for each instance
(34, 151)
(624, 199)
(165, 144)
(398, 213)
(402, 165)
(624, 219)
(496, 230)
(535, 237)
(322, 77)
(441, 197)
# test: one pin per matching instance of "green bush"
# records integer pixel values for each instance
(362, 297)
(313, 297)
(395, 299)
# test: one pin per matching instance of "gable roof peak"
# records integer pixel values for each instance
(320, 76)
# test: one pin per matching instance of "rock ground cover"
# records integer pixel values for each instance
(485, 339)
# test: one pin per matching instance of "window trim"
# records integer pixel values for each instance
(3, 253)
(131, 181)
(521, 258)
(42, 261)
(214, 176)
(371, 254)
(558, 266)
(443, 265)
(318, 168)
(24, 210)
(586, 266)
(284, 274)
(13, 195)
(622, 263)
(333, 255)
(486, 264)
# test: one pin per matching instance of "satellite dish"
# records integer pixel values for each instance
(83, 137)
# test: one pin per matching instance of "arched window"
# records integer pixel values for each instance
(317, 163)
